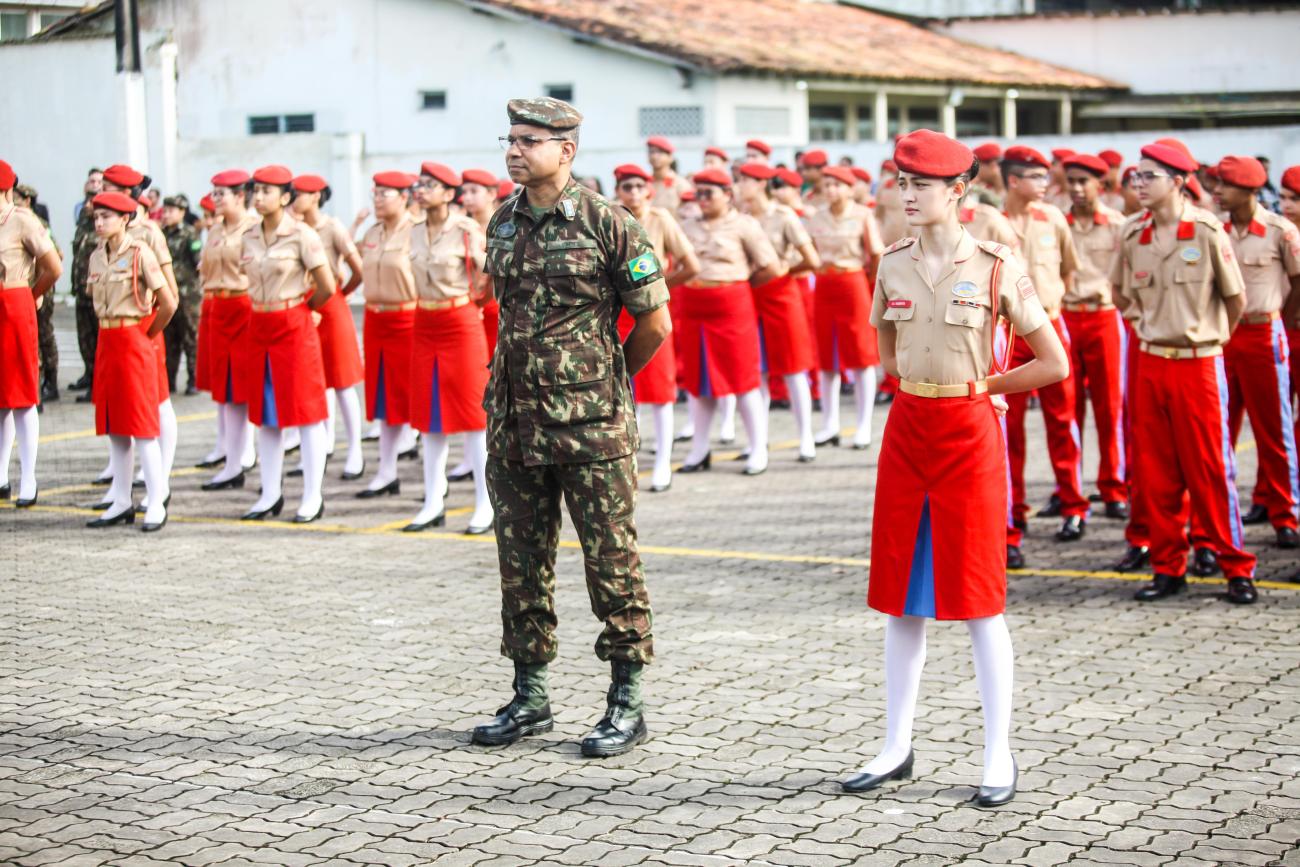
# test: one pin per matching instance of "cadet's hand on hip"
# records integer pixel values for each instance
(999, 405)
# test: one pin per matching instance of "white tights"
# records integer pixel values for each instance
(436, 448)
(662, 414)
(234, 424)
(25, 424)
(349, 407)
(864, 393)
(390, 441)
(752, 413)
(120, 461)
(270, 443)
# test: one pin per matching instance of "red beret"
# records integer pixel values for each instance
(279, 176)
(988, 152)
(889, 166)
(208, 205)
(1243, 172)
(1212, 171)
(717, 152)
(814, 159)
(7, 176)
(1062, 153)
(715, 177)
(1175, 143)
(1128, 173)
(120, 202)
(231, 178)
(309, 183)
(1113, 158)
(1194, 187)
(440, 173)
(144, 200)
(839, 173)
(479, 176)
(396, 180)
(504, 188)
(660, 143)
(1291, 179)
(631, 170)
(123, 176)
(687, 195)
(932, 154)
(790, 176)
(1027, 155)
(758, 170)
(861, 174)
(1171, 156)
(760, 146)
(1096, 165)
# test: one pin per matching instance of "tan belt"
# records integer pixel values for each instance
(276, 306)
(7, 288)
(1173, 352)
(390, 308)
(1260, 318)
(713, 284)
(929, 389)
(835, 269)
(445, 304)
(1086, 307)
(120, 321)
(225, 293)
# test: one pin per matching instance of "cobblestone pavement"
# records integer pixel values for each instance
(226, 693)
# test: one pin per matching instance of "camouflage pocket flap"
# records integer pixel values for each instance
(571, 244)
(571, 366)
(570, 263)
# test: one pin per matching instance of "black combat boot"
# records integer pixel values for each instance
(623, 725)
(529, 712)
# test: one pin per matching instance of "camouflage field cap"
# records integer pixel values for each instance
(544, 111)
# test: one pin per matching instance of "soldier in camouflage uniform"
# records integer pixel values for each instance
(181, 333)
(561, 422)
(48, 349)
(83, 244)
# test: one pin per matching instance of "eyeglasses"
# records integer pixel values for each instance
(217, 195)
(384, 193)
(1034, 179)
(430, 184)
(1144, 178)
(525, 142)
(632, 186)
(707, 193)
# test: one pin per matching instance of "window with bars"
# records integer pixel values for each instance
(563, 92)
(273, 124)
(674, 120)
(13, 25)
(827, 122)
(433, 100)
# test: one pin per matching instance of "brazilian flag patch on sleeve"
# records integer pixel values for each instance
(643, 266)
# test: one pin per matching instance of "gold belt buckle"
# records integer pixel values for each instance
(1170, 352)
(927, 389)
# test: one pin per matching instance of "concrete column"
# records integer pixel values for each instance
(1067, 115)
(1009, 114)
(880, 117)
(904, 122)
(948, 118)
(851, 122)
(167, 97)
(135, 120)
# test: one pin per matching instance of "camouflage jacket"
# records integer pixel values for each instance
(185, 246)
(83, 244)
(560, 391)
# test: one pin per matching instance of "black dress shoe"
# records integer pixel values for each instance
(103, 506)
(207, 465)
(103, 481)
(1052, 509)
(701, 466)
(232, 482)
(1205, 562)
(294, 473)
(352, 477)
(26, 502)
(190, 391)
(140, 508)
(6, 491)
(1117, 510)
(806, 459)
(460, 477)
(1160, 587)
(83, 382)
(1072, 529)
(1015, 558)
(996, 796)
(867, 782)
(154, 526)
(884, 397)
(309, 519)
(260, 514)
(471, 530)
(126, 516)
(138, 484)
(410, 454)
(1095, 498)
(1257, 515)
(659, 489)
(752, 471)
(683, 438)
(436, 521)
(1287, 538)
(1134, 559)
(832, 440)
(393, 488)
(726, 441)
(84, 398)
(50, 393)
(1020, 524)
(1241, 591)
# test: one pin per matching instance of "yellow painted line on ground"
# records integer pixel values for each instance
(87, 433)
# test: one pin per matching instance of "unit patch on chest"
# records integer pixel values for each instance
(965, 289)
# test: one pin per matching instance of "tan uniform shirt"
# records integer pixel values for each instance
(730, 248)
(220, 265)
(147, 231)
(337, 242)
(386, 263)
(278, 271)
(1113, 200)
(114, 281)
(986, 223)
(1048, 252)
(23, 240)
(1176, 287)
(1096, 241)
(668, 192)
(786, 232)
(839, 240)
(1269, 252)
(666, 236)
(944, 327)
(441, 264)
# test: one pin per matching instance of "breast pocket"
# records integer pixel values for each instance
(574, 387)
(963, 325)
(570, 276)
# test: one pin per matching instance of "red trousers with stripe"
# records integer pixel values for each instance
(1184, 457)
(1257, 364)
(1096, 349)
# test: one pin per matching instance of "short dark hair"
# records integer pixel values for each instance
(1014, 168)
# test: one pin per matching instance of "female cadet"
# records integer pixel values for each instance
(449, 355)
(131, 301)
(284, 376)
(390, 318)
(848, 242)
(719, 325)
(938, 539)
(338, 334)
(29, 265)
(656, 384)
(784, 337)
(225, 292)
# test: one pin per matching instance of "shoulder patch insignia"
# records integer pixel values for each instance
(900, 244)
(1026, 287)
(643, 266)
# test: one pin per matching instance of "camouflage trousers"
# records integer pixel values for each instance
(49, 347)
(87, 329)
(601, 496)
(181, 336)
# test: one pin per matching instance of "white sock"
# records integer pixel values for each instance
(167, 435)
(314, 449)
(727, 407)
(476, 448)
(249, 457)
(754, 415)
(995, 671)
(27, 425)
(330, 400)
(390, 437)
(235, 424)
(436, 448)
(662, 414)
(218, 450)
(688, 430)
(701, 423)
(904, 660)
(864, 393)
(291, 438)
(830, 404)
(801, 408)
(120, 460)
(6, 443)
(464, 466)
(270, 443)
(410, 439)
(156, 483)
(349, 408)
